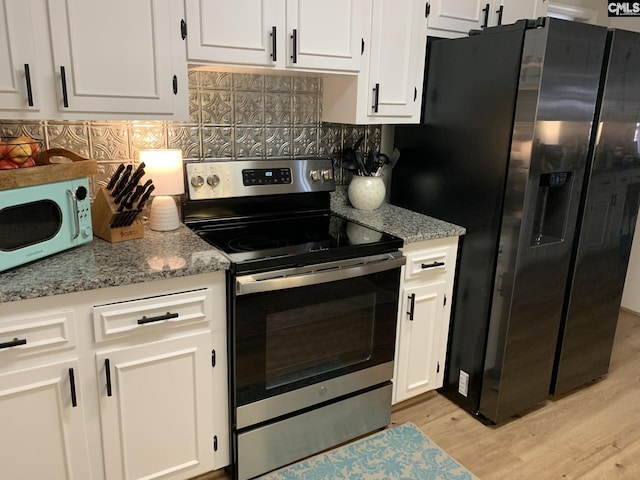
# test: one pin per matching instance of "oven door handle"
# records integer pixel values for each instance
(312, 275)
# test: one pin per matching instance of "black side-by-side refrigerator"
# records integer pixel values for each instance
(503, 150)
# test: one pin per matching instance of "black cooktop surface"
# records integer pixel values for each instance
(280, 242)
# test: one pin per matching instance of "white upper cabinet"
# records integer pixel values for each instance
(116, 56)
(93, 60)
(464, 15)
(17, 57)
(310, 35)
(388, 88)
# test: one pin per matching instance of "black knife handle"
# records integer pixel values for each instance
(122, 182)
(114, 178)
(145, 197)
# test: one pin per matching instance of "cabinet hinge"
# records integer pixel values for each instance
(362, 48)
(183, 29)
(215, 443)
(213, 358)
(427, 10)
(445, 301)
(438, 368)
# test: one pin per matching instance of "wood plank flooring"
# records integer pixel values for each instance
(592, 433)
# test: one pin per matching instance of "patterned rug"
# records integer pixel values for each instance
(402, 453)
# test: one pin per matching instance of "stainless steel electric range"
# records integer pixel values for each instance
(312, 307)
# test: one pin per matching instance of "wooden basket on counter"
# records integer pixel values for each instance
(47, 172)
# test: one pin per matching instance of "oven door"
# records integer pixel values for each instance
(307, 335)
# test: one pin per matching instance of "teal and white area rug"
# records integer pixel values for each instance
(402, 453)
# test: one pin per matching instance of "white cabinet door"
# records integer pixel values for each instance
(17, 57)
(397, 57)
(514, 10)
(117, 57)
(43, 433)
(236, 31)
(156, 409)
(324, 34)
(459, 15)
(419, 330)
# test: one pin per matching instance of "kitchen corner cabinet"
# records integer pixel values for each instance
(388, 88)
(465, 15)
(282, 35)
(89, 59)
(423, 316)
(128, 382)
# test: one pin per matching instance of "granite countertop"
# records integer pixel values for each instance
(161, 255)
(410, 226)
(100, 264)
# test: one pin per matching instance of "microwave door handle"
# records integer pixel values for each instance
(305, 276)
(76, 214)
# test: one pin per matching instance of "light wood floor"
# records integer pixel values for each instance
(592, 433)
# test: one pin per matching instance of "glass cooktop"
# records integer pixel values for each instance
(300, 240)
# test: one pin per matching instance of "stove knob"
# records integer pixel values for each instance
(315, 175)
(213, 180)
(197, 181)
(327, 175)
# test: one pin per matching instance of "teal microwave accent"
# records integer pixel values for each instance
(40, 220)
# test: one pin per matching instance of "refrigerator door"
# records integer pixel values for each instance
(454, 166)
(557, 96)
(607, 224)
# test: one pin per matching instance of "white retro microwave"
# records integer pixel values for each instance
(40, 220)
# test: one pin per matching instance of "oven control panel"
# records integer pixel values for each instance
(266, 176)
(209, 180)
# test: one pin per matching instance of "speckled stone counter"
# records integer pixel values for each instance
(99, 264)
(408, 225)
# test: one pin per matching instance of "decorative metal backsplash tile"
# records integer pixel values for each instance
(232, 115)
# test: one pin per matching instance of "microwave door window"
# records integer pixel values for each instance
(28, 224)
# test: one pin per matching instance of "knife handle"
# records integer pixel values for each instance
(114, 178)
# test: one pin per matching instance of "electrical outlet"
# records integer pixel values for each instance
(463, 383)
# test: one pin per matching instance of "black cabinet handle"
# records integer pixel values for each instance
(294, 55)
(274, 44)
(107, 372)
(432, 265)
(159, 318)
(63, 79)
(486, 16)
(72, 385)
(175, 85)
(376, 97)
(412, 305)
(13, 343)
(499, 12)
(183, 29)
(27, 77)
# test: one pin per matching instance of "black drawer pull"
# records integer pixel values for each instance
(412, 305)
(432, 265)
(159, 318)
(376, 98)
(72, 385)
(107, 372)
(13, 343)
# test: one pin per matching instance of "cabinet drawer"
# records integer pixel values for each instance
(427, 263)
(152, 314)
(35, 334)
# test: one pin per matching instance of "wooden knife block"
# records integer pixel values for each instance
(103, 212)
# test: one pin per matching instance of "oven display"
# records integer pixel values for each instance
(266, 176)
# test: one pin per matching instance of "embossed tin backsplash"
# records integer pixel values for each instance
(232, 115)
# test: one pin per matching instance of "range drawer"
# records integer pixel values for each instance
(163, 312)
(36, 334)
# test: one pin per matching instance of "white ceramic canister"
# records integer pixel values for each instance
(366, 193)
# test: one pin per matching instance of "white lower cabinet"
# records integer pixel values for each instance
(43, 429)
(423, 316)
(126, 382)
